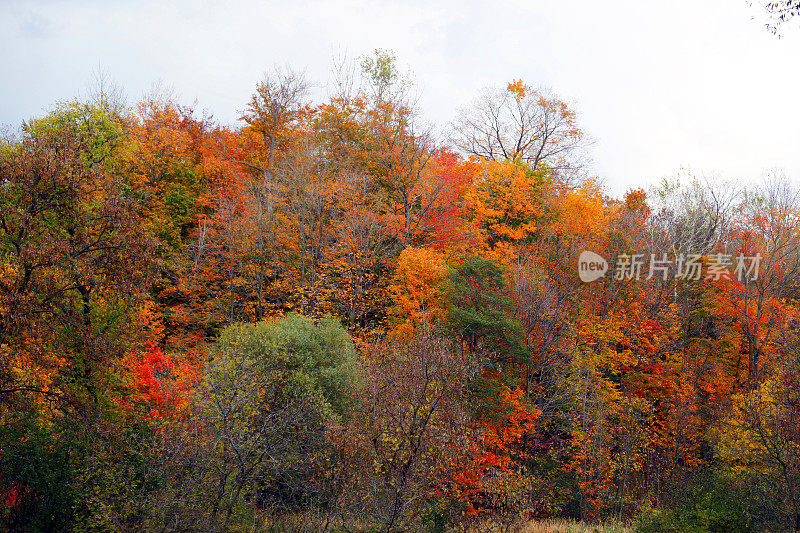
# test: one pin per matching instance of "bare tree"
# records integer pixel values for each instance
(779, 12)
(278, 103)
(520, 122)
(106, 94)
(690, 216)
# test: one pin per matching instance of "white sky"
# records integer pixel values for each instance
(660, 85)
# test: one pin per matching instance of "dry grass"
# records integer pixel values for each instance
(553, 526)
(314, 523)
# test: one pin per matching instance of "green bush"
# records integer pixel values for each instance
(270, 394)
(71, 479)
(314, 360)
(710, 504)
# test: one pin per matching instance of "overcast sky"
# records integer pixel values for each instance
(659, 85)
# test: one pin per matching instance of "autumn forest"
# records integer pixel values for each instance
(333, 316)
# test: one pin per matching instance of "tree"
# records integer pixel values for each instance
(419, 299)
(767, 233)
(414, 424)
(521, 123)
(277, 106)
(481, 313)
(163, 158)
(268, 397)
(505, 200)
(760, 445)
(384, 81)
(491, 476)
(75, 259)
(358, 271)
(780, 12)
(162, 384)
(396, 150)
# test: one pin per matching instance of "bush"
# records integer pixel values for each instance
(271, 395)
(57, 476)
(710, 504)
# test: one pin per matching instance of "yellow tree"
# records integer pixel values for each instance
(416, 290)
(505, 200)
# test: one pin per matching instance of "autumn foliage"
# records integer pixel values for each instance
(323, 318)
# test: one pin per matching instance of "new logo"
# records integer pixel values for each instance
(591, 266)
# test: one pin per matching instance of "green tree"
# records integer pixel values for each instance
(482, 311)
(482, 317)
(271, 393)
